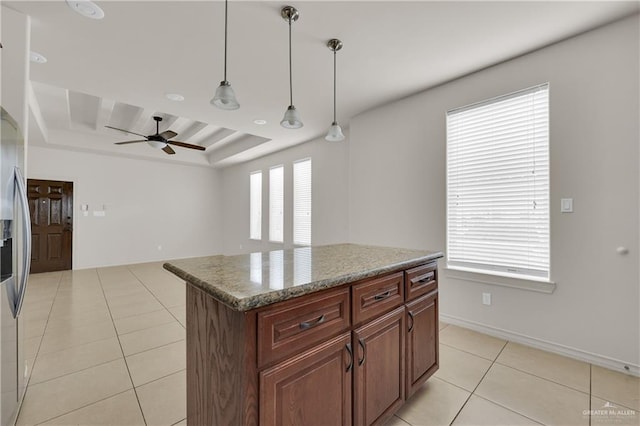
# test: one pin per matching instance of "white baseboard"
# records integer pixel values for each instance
(595, 359)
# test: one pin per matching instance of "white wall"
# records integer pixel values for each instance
(397, 193)
(147, 204)
(15, 65)
(329, 196)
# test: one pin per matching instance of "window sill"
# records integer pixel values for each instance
(519, 283)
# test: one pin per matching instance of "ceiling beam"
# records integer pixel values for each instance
(216, 136)
(241, 144)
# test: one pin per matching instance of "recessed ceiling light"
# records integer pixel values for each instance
(175, 97)
(86, 8)
(260, 121)
(37, 57)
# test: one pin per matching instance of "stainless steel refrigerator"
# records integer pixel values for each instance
(15, 259)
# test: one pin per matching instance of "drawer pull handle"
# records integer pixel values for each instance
(424, 279)
(382, 296)
(350, 352)
(362, 345)
(412, 320)
(309, 324)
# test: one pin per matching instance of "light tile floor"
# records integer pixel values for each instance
(107, 346)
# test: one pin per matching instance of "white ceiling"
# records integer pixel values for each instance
(116, 71)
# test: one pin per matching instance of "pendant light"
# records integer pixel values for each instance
(335, 132)
(225, 98)
(291, 118)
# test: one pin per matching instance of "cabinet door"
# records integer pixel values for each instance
(313, 388)
(422, 340)
(379, 368)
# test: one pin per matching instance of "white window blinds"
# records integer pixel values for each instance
(302, 202)
(276, 204)
(255, 205)
(498, 185)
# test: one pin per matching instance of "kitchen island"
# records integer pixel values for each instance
(328, 335)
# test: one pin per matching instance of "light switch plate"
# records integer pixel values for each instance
(566, 205)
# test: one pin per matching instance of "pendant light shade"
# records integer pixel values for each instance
(291, 118)
(225, 97)
(335, 131)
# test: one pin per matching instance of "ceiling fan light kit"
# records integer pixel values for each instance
(335, 131)
(225, 97)
(291, 119)
(159, 140)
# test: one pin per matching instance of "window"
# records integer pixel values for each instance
(276, 204)
(498, 185)
(255, 206)
(302, 202)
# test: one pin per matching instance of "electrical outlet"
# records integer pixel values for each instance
(486, 298)
(159, 248)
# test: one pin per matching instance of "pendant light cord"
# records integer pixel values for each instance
(290, 68)
(225, 40)
(334, 86)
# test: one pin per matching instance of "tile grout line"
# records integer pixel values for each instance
(471, 353)
(46, 323)
(160, 378)
(154, 348)
(544, 378)
(124, 358)
(75, 371)
(156, 297)
(84, 369)
(80, 408)
(507, 408)
(495, 361)
(517, 369)
(35, 357)
(480, 381)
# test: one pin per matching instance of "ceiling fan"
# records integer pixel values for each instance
(159, 140)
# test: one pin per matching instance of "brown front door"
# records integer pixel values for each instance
(51, 206)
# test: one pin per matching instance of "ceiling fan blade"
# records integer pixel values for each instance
(187, 145)
(168, 134)
(126, 142)
(168, 150)
(126, 131)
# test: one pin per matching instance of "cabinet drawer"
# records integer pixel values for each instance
(374, 297)
(295, 326)
(421, 280)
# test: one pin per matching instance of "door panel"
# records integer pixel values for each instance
(51, 205)
(379, 368)
(313, 388)
(422, 341)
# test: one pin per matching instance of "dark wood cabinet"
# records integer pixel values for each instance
(299, 324)
(422, 340)
(348, 355)
(313, 388)
(379, 368)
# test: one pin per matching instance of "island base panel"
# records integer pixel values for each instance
(221, 372)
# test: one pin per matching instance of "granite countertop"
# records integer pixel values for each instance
(249, 281)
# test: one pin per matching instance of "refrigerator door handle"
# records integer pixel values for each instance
(26, 223)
